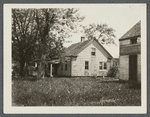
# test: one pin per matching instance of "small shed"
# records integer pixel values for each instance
(130, 54)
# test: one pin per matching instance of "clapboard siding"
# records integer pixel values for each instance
(78, 63)
(130, 49)
(124, 42)
(127, 48)
(139, 67)
(124, 67)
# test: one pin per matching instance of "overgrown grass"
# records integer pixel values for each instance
(74, 92)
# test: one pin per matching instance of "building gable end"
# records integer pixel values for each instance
(97, 45)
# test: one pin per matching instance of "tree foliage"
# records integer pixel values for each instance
(22, 36)
(101, 32)
(39, 33)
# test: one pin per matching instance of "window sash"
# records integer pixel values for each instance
(102, 65)
(86, 64)
(93, 51)
(105, 65)
(133, 41)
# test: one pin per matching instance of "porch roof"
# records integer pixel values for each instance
(55, 61)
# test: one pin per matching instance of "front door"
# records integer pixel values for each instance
(133, 67)
(54, 70)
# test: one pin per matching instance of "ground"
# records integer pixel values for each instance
(78, 91)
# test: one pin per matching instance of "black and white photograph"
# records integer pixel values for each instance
(90, 58)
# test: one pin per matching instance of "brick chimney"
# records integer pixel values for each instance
(82, 39)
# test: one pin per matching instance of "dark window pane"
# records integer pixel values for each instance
(86, 65)
(93, 51)
(133, 41)
(105, 65)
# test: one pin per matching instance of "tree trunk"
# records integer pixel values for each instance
(41, 67)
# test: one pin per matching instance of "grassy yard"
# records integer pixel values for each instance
(74, 92)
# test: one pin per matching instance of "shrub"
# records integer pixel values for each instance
(113, 71)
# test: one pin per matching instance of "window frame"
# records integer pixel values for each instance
(105, 63)
(133, 41)
(100, 65)
(93, 52)
(86, 65)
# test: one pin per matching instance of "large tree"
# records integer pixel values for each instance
(53, 25)
(38, 33)
(23, 36)
(101, 32)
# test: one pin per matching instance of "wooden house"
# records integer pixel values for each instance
(86, 58)
(130, 54)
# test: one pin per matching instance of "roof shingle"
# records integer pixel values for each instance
(74, 49)
(133, 32)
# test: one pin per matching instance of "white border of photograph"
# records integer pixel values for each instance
(7, 54)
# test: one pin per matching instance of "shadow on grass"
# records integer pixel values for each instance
(28, 78)
(134, 85)
(129, 84)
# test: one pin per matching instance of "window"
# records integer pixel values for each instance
(66, 65)
(138, 39)
(93, 51)
(100, 65)
(105, 65)
(133, 41)
(86, 64)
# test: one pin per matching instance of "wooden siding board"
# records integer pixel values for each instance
(124, 67)
(139, 67)
(125, 42)
(130, 49)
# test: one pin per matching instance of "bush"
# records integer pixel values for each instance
(113, 71)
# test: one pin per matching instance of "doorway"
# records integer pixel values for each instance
(133, 67)
(54, 69)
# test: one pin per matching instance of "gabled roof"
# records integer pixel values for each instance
(135, 31)
(76, 48)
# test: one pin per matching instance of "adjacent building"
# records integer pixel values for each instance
(130, 54)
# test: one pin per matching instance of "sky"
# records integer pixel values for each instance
(120, 17)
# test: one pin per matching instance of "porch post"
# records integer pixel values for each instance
(51, 70)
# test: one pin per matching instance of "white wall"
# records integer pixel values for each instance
(78, 64)
(124, 67)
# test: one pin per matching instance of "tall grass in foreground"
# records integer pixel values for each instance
(73, 92)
